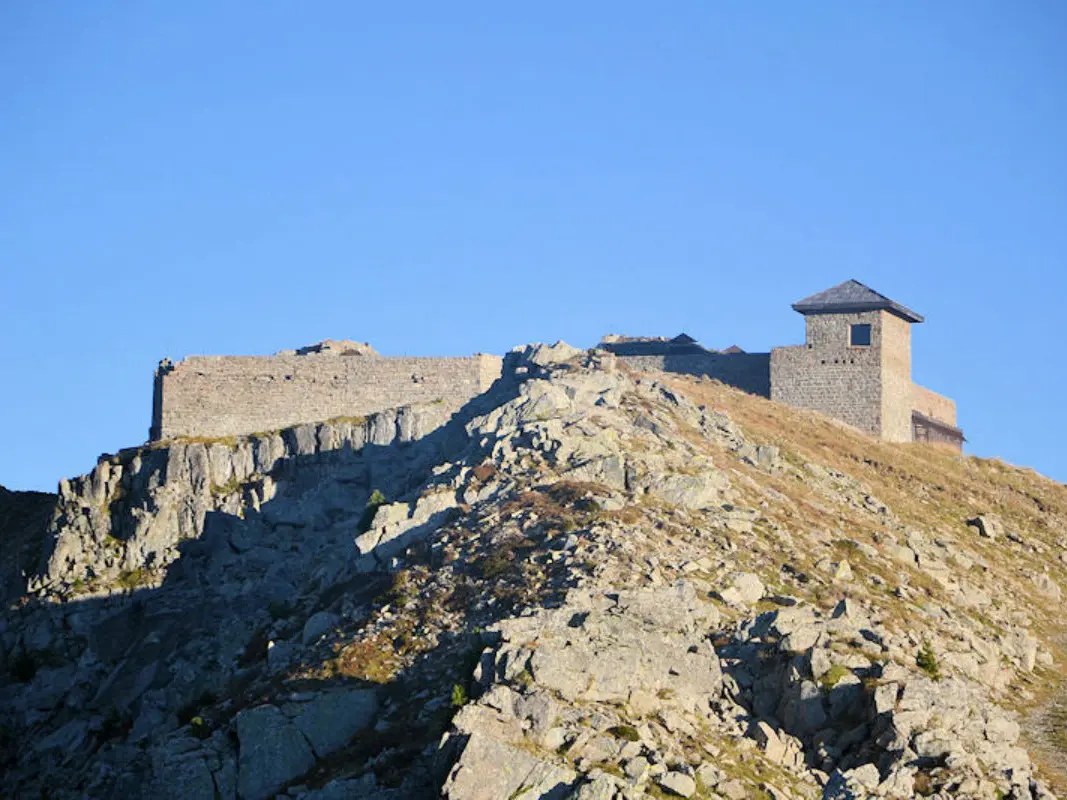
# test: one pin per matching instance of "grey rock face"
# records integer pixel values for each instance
(489, 770)
(331, 719)
(272, 752)
(604, 652)
(316, 625)
(135, 508)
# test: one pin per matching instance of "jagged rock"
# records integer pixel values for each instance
(317, 625)
(331, 719)
(745, 590)
(594, 651)
(988, 526)
(489, 770)
(678, 783)
(272, 752)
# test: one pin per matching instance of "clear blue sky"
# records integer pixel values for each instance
(445, 178)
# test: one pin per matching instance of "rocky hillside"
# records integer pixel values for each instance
(23, 519)
(589, 584)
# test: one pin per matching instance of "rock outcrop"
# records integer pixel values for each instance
(586, 584)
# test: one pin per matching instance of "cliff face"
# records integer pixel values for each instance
(587, 584)
(23, 521)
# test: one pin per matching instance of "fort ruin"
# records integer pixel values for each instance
(855, 366)
(217, 396)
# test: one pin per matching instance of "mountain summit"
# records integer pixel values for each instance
(586, 583)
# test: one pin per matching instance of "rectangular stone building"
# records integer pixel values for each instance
(855, 365)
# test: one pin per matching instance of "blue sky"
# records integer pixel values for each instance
(445, 178)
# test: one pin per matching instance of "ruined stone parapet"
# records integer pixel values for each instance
(214, 396)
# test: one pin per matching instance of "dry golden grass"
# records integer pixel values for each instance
(933, 490)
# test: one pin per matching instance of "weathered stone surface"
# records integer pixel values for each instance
(489, 770)
(272, 752)
(331, 719)
(317, 625)
(678, 784)
(746, 589)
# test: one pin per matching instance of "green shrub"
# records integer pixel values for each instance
(375, 500)
(460, 697)
(627, 732)
(200, 729)
(495, 563)
(833, 676)
(133, 579)
(927, 661)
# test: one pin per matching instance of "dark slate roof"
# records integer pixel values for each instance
(683, 338)
(853, 296)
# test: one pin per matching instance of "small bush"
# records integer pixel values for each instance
(375, 500)
(833, 676)
(495, 564)
(460, 697)
(524, 679)
(131, 579)
(927, 661)
(223, 489)
(401, 591)
(201, 730)
(627, 732)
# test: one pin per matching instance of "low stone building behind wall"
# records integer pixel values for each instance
(217, 396)
(750, 372)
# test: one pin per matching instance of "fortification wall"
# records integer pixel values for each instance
(215, 396)
(897, 388)
(750, 372)
(828, 375)
(933, 405)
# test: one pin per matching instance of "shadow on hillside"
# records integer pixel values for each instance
(198, 646)
(24, 518)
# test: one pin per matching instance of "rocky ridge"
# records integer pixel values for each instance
(587, 584)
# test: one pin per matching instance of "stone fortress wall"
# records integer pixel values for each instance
(750, 372)
(218, 396)
(866, 384)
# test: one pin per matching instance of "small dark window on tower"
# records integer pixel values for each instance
(860, 336)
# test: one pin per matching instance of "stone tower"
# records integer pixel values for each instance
(855, 364)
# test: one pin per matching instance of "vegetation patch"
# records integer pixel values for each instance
(374, 502)
(927, 661)
(228, 488)
(834, 676)
(130, 579)
(460, 697)
(626, 732)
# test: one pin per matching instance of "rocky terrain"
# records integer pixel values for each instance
(23, 518)
(588, 584)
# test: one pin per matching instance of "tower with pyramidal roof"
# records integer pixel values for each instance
(855, 365)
